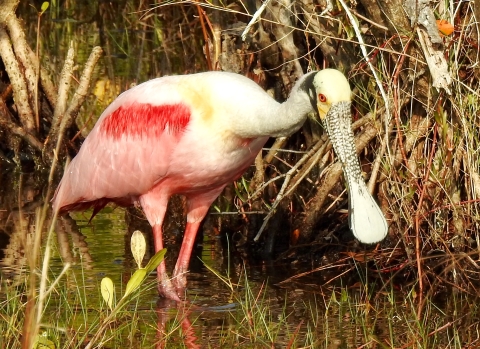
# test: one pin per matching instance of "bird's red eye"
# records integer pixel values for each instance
(322, 98)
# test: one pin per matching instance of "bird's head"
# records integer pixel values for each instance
(332, 94)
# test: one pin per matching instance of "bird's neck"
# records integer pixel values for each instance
(292, 113)
(281, 119)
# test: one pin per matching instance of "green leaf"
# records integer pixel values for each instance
(44, 7)
(155, 261)
(108, 291)
(238, 194)
(138, 247)
(135, 281)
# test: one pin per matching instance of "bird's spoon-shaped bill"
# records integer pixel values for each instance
(366, 220)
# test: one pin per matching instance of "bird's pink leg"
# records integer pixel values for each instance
(198, 207)
(154, 205)
(180, 272)
(165, 286)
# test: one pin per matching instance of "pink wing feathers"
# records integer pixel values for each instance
(126, 153)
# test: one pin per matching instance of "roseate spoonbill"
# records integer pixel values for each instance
(194, 134)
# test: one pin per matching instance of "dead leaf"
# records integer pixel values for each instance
(445, 27)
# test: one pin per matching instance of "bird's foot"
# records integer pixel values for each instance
(179, 281)
(168, 290)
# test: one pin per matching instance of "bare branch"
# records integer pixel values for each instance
(63, 88)
(7, 8)
(20, 91)
(47, 85)
(56, 135)
(7, 123)
(82, 90)
(20, 45)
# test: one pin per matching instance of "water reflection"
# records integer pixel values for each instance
(67, 230)
(182, 316)
(20, 197)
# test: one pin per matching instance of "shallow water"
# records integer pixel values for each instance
(261, 311)
(101, 248)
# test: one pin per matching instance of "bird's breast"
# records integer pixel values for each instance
(207, 163)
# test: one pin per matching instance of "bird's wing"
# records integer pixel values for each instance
(156, 128)
(128, 151)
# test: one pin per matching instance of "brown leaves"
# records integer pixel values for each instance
(445, 27)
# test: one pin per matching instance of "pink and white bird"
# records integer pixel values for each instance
(194, 134)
